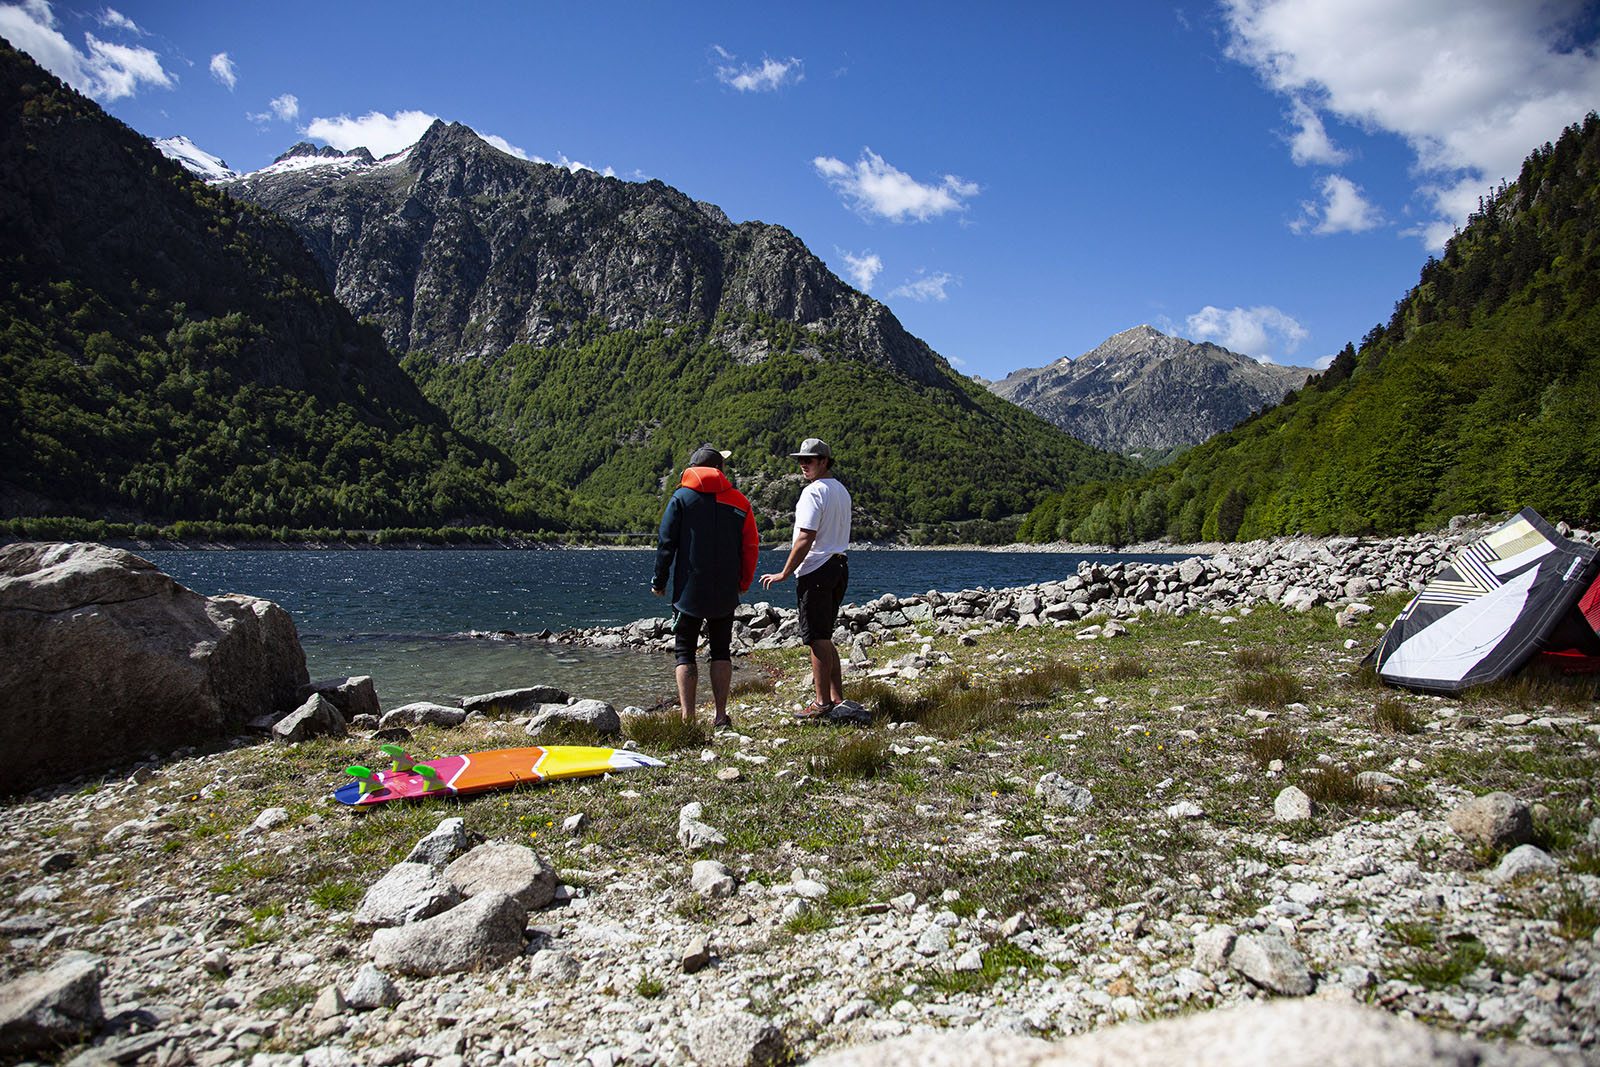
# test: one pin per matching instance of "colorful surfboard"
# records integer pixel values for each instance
(475, 772)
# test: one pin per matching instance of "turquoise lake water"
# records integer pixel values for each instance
(419, 621)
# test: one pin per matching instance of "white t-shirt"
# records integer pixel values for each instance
(824, 507)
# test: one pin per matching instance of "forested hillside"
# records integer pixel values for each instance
(1480, 394)
(167, 352)
(614, 413)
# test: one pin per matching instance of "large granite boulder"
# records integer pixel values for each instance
(109, 660)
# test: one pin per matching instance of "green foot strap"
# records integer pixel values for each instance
(430, 776)
(369, 781)
(402, 758)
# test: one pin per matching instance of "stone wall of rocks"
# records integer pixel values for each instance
(1295, 573)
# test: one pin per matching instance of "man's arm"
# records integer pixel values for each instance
(803, 540)
(666, 547)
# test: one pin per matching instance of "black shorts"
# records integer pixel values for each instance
(686, 634)
(821, 592)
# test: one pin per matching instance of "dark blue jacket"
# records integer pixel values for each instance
(708, 540)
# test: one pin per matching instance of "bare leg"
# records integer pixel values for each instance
(721, 683)
(827, 673)
(688, 677)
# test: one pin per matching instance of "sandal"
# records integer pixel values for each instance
(814, 711)
(722, 722)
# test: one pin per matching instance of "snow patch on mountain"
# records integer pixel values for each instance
(194, 158)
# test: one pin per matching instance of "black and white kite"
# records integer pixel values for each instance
(1519, 590)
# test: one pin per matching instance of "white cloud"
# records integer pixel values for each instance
(863, 269)
(1310, 143)
(1262, 332)
(506, 146)
(874, 187)
(100, 69)
(378, 133)
(770, 76)
(284, 108)
(1344, 209)
(112, 19)
(1471, 86)
(924, 288)
(222, 70)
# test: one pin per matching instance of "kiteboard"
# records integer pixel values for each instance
(475, 772)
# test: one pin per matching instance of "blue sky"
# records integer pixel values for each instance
(1017, 182)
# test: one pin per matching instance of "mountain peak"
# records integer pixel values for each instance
(193, 158)
(1143, 389)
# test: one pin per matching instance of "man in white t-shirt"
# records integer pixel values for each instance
(821, 535)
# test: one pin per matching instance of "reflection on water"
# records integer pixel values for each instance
(445, 669)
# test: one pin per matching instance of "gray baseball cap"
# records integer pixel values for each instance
(708, 456)
(813, 446)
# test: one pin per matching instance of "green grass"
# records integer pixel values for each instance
(1271, 689)
(1391, 716)
(665, 731)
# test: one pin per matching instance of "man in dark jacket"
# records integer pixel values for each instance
(708, 540)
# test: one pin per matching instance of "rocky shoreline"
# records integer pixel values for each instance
(742, 906)
(1297, 574)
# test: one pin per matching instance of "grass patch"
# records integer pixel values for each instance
(650, 987)
(859, 758)
(1126, 668)
(952, 706)
(1272, 689)
(1255, 659)
(291, 997)
(999, 960)
(1391, 716)
(1273, 743)
(1332, 784)
(1576, 918)
(337, 896)
(665, 732)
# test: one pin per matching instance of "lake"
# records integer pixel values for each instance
(422, 622)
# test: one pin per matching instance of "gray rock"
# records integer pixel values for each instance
(1524, 860)
(506, 867)
(696, 956)
(1292, 805)
(594, 715)
(317, 717)
(407, 892)
(514, 701)
(447, 841)
(122, 660)
(422, 713)
(1211, 948)
(1057, 792)
(1498, 820)
(555, 967)
(352, 696)
(693, 834)
(50, 1008)
(1282, 1033)
(712, 878)
(1267, 960)
(486, 931)
(329, 1003)
(735, 1039)
(371, 989)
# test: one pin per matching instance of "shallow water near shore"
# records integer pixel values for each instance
(439, 624)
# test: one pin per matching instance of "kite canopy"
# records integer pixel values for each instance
(1519, 590)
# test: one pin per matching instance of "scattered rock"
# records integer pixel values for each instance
(1498, 820)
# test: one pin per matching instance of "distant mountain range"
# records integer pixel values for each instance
(1143, 391)
(173, 349)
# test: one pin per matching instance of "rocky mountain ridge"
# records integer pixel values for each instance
(1144, 390)
(458, 249)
